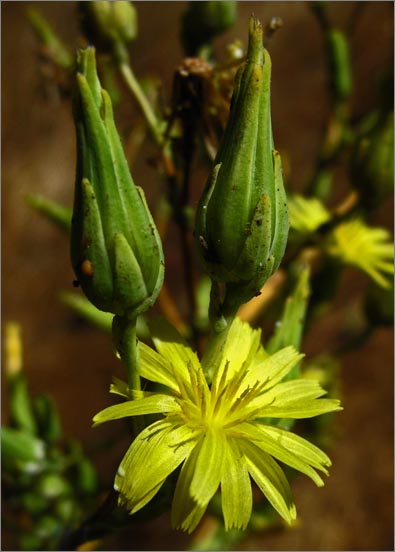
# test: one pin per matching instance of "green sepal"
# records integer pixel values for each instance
(90, 246)
(129, 286)
(281, 229)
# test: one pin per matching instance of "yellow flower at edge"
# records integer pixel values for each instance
(369, 249)
(218, 433)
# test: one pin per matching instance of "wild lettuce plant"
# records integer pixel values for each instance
(211, 396)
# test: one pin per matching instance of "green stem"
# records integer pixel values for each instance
(221, 317)
(126, 343)
(134, 86)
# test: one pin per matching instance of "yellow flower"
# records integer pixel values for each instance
(217, 432)
(306, 214)
(369, 249)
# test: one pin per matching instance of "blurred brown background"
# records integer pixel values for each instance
(354, 511)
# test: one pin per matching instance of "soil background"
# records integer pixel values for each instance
(74, 362)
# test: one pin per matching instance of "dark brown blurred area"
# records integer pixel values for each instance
(72, 361)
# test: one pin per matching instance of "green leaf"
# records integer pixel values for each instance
(290, 328)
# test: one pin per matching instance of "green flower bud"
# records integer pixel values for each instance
(202, 21)
(116, 251)
(108, 24)
(242, 220)
(372, 161)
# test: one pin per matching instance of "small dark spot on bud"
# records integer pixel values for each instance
(278, 189)
(258, 222)
(87, 268)
(76, 283)
(258, 293)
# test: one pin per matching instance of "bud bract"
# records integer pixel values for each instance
(116, 250)
(242, 220)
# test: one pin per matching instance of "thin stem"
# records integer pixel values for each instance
(130, 355)
(221, 318)
(134, 86)
(125, 342)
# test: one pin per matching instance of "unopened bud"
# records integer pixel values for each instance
(109, 24)
(116, 250)
(242, 220)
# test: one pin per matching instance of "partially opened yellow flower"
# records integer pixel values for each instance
(218, 432)
(369, 249)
